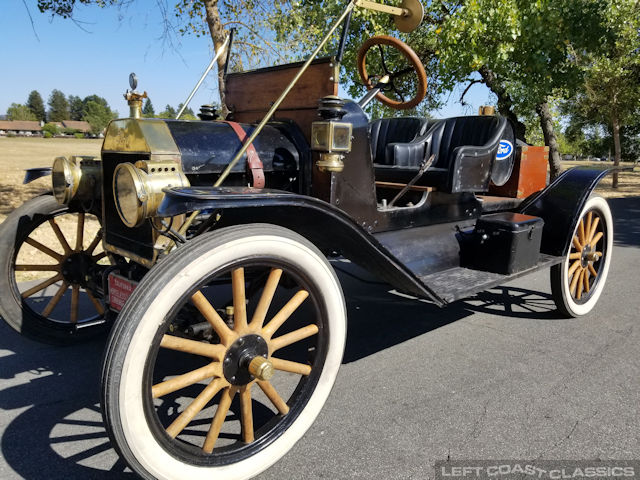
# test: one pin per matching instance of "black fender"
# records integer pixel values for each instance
(32, 174)
(326, 226)
(560, 204)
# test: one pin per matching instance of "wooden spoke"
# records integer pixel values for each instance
(273, 396)
(75, 297)
(187, 379)
(293, 337)
(60, 235)
(585, 279)
(592, 270)
(92, 246)
(219, 326)
(265, 300)
(41, 286)
(80, 232)
(191, 346)
(575, 256)
(288, 366)
(99, 256)
(576, 243)
(284, 313)
(581, 232)
(580, 284)
(37, 268)
(587, 231)
(594, 227)
(574, 282)
(96, 303)
(218, 419)
(239, 300)
(246, 410)
(55, 299)
(194, 407)
(596, 239)
(42, 248)
(574, 267)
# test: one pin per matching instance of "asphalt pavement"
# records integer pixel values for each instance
(496, 376)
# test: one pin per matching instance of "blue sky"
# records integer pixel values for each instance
(114, 43)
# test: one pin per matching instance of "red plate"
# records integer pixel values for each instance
(120, 289)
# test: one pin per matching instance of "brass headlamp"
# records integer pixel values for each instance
(331, 137)
(75, 178)
(137, 189)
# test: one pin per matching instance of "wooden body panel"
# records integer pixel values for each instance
(529, 174)
(250, 95)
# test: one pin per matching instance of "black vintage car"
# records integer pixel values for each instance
(220, 296)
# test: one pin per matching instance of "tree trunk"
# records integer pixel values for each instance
(218, 35)
(505, 103)
(615, 121)
(550, 140)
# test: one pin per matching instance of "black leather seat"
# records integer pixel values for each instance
(465, 150)
(393, 140)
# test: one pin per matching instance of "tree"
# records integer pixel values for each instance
(147, 109)
(36, 105)
(20, 112)
(169, 112)
(612, 92)
(98, 116)
(58, 107)
(76, 107)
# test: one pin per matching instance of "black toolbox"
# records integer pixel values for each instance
(503, 243)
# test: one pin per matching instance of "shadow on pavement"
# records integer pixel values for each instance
(626, 219)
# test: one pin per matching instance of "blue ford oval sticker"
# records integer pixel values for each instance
(504, 150)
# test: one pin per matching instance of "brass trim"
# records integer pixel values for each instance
(139, 135)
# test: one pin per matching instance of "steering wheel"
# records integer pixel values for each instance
(415, 67)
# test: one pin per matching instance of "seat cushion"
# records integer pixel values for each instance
(386, 132)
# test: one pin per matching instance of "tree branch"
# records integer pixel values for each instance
(471, 84)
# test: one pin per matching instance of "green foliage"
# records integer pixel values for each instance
(58, 107)
(78, 135)
(168, 112)
(98, 115)
(36, 105)
(47, 135)
(20, 112)
(147, 109)
(76, 107)
(50, 128)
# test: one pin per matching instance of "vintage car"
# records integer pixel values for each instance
(227, 319)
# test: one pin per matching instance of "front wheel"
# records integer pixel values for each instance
(224, 355)
(577, 282)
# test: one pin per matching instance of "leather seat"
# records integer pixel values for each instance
(388, 133)
(465, 150)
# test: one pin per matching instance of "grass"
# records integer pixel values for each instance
(628, 182)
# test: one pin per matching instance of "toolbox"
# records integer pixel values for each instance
(503, 243)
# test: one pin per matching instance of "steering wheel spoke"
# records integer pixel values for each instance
(415, 66)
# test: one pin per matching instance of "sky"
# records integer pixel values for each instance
(97, 55)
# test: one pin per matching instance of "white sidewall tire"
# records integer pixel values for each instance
(575, 309)
(144, 447)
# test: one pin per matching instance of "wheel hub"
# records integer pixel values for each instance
(75, 267)
(246, 359)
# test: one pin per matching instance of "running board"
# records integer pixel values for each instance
(459, 282)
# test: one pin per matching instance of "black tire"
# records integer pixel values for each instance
(136, 409)
(577, 282)
(25, 315)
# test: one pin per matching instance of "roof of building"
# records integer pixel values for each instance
(77, 125)
(20, 125)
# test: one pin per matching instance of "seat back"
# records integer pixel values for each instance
(386, 131)
(459, 131)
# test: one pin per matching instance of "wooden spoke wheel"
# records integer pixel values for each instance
(577, 282)
(224, 355)
(48, 255)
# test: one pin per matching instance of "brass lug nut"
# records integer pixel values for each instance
(261, 368)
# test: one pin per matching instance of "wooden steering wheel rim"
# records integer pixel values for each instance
(409, 54)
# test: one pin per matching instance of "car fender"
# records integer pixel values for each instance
(328, 227)
(32, 174)
(560, 204)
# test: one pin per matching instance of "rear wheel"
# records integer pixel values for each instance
(224, 355)
(47, 256)
(577, 282)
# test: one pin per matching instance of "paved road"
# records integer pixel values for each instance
(495, 376)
